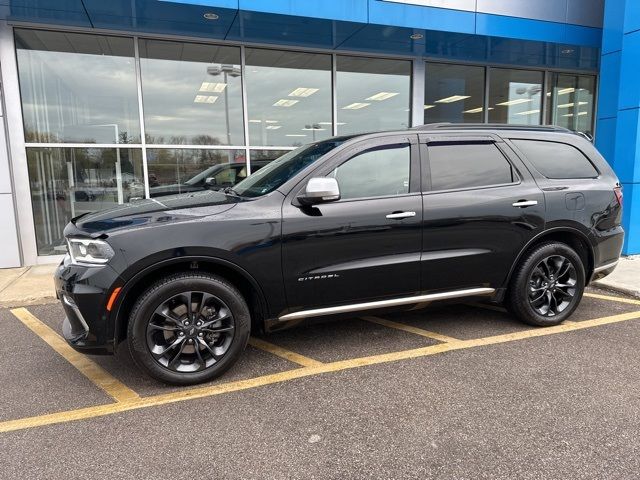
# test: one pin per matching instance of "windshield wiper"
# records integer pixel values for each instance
(231, 191)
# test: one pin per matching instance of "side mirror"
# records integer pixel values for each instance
(320, 190)
(210, 182)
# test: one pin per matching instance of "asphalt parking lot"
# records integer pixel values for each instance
(450, 391)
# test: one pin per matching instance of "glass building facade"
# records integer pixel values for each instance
(129, 113)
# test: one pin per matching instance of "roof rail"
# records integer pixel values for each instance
(490, 126)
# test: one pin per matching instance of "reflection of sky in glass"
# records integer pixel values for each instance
(176, 103)
(273, 76)
(453, 93)
(359, 79)
(515, 96)
(78, 97)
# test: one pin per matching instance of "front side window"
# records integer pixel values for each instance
(556, 160)
(77, 88)
(468, 165)
(375, 173)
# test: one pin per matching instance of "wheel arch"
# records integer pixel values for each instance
(573, 237)
(232, 272)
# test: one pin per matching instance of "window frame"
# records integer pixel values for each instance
(427, 188)
(362, 145)
(525, 159)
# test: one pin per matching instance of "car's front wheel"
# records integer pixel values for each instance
(547, 285)
(188, 328)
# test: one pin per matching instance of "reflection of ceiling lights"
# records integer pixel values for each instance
(271, 121)
(528, 112)
(378, 97)
(571, 114)
(427, 107)
(356, 106)
(272, 127)
(416, 36)
(303, 92)
(283, 102)
(211, 16)
(205, 99)
(569, 105)
(329, 123)
(476, 110)
(517, 101)
(309, 128)
(295, 135)
(566, 90)
(212, 87)
(255, 121)
(452, 98)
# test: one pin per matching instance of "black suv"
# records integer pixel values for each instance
(524, 216)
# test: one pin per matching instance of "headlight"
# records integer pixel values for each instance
(90, 251)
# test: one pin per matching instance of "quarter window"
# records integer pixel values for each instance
(375, 173)
(467, 165)
(556, 160)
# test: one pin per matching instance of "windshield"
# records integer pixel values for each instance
(268, 178)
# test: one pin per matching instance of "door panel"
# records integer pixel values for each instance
(349, 251)
(471, 236)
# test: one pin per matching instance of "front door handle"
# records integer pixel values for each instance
(401, 215)
(525, 203)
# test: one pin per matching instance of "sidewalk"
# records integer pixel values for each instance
(34, 285)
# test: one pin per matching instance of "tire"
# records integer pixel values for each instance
(536, 275)
(188, 328)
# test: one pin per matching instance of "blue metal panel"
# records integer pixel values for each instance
(62, 12)
(613, 25)
(577, 35)
(632, 16)
(413, 16)
(631, 218)
(629, 68)
(606, 138)
(511, 27)
(626, 162)
(290, 30)
(346, 10)
(609, 82)
(207, 3)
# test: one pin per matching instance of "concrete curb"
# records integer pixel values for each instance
(616, 288)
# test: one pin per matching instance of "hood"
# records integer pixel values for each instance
(167, 208)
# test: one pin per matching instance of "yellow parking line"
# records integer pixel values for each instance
(283, 353)
(410, 329)
(100, 377)
(208, 391)
(614, 299)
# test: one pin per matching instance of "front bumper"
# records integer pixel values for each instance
(84, 292)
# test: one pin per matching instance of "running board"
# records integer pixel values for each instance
(357, 307)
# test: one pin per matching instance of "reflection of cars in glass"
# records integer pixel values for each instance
(216, 177)
(520, 216)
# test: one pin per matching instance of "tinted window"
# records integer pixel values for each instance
(557, 160)
(375, 173)
(467, 165)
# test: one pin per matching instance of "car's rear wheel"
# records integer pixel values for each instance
(547, 285)
(188, 328)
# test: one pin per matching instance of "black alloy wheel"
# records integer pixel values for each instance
(552, 285)
(547, 284)
(190, 331)
(188, 328)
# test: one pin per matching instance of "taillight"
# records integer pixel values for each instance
(618, 193)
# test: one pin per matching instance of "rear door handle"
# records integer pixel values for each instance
(401, 215)
(525, 203)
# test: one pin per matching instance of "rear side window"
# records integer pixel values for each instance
(468, 165)
(556, 160)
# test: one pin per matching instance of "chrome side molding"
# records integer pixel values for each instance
(356, 307)
(605, 267)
